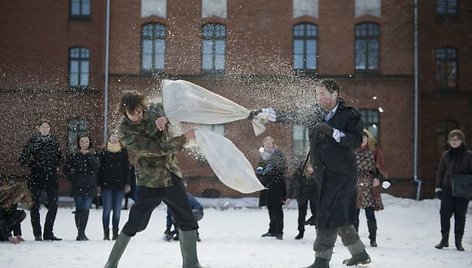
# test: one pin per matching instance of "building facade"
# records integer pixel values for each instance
(53, 65)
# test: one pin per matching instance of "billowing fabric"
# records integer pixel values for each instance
(187, 102)
(155, 150)
(190, 103)
(227, 161)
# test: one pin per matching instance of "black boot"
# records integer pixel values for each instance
(115, 233)
(372, 226)
(300, 235)
(82, 225)
(444, 241)
(319, 263)
(459, 246)
(106, 234)
(361, 258)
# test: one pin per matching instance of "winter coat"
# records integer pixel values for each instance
(10, 218)
(334, 164)
(114, 172)
(453, 161)
(81, 170)
(302, 186)
(367, 194)
(155, 149)
(273, 178)
(42, 154)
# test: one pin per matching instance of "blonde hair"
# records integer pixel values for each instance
(15, 192)
(371, 141)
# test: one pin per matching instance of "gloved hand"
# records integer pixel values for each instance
(270, 114)
(253, 113)
(438, 192)
(324, 128)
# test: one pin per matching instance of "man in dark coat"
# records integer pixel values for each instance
(42, 154)
(334, 135)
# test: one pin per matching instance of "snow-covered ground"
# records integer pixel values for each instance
(231, 238)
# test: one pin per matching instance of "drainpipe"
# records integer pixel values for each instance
(105, 88)
(416, 75)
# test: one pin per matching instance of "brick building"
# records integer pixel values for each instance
(53, 59)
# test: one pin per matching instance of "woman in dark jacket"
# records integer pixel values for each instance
(113, 182)
(12, 193)
(456, 160)
(270, 171)
(81, 169)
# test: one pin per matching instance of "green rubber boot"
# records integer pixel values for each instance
(188, 248)
(118, 248)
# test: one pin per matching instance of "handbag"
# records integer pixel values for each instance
(462, 186)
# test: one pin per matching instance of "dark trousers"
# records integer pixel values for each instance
(51, 194)
(147, 199)
(325, 239)
(451, 205)
(302, 210)
(276, 217)
(369, 214)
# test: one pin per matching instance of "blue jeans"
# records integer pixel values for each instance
(111, 200)
(82, 202)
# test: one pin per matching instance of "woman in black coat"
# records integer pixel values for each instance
(456, 160)
(270, 171)
(81, 169)
(113, 182)
(335, 132)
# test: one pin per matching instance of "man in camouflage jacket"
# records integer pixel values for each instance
(143, 131)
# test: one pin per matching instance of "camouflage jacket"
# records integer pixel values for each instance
(155, 150)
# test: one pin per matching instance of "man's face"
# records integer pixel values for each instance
(136, 116)
(327, 100)
(44, 129)
(455, 142)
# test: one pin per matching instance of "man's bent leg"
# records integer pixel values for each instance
(351, 240)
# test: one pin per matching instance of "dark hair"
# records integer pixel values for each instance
(131, 100)
(42, 121)
(330, 84)
(83, 135)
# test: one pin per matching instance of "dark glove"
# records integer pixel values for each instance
(254, 113)
(438, 192)
(324, 128)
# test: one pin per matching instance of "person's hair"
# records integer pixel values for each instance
(11, 190)
(330, 84)
(84, 135)
(371, 141)
(42, 121)
(132, 100)
(458, 133)
(268, 139)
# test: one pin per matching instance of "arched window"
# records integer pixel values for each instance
(305, 47)
(153, 48)
(367, 47)
(213, 47)
(79, 67)
(446, 68)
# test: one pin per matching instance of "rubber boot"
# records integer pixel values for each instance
(444, 241)
(115, 233)
(77, 216)
(118, 248)
(188, 248)
(459, 246)
(361, 258)
(372, 226)
(106, 233)
(319, 263)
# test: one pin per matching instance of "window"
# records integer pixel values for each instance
(446, 7)
(442, 130)
(79, 8)
(76, 127)
(446, 68)
(79, 65)
(305, 47)
(153, 48)
(213, 48)
(301, 142)
(371, 119)
(367, 47)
